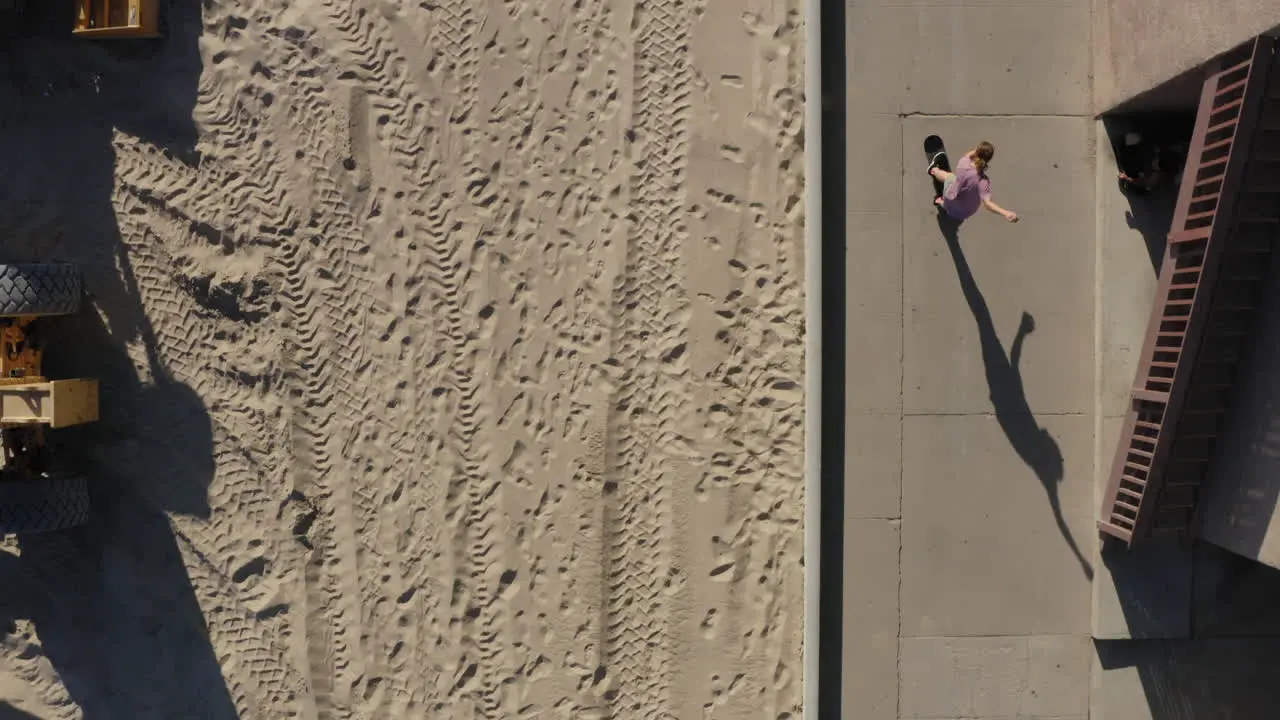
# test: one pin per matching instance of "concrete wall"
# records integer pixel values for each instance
(1139, 44)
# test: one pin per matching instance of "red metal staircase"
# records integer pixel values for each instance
(1224, 226)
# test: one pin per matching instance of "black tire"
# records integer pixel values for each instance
(54, 502)
(39, 289)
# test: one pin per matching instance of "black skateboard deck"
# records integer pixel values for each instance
(935, 153)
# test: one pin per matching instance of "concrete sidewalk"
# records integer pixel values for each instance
(985, 377)
(969, 505)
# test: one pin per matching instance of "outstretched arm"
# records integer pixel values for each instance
(991, 205)
(1024, 329)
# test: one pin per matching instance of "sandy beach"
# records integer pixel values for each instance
(451, 360)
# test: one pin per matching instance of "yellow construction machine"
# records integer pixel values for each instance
(34, 497)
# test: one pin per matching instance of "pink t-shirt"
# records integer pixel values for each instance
(964, 196)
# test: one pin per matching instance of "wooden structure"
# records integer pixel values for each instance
(117, 19)
(1224, 227)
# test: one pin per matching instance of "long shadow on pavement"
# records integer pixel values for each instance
(111, 602)
(1034, 444)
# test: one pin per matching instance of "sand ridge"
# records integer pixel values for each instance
(451, 360)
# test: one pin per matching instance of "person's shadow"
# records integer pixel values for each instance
(1033, 443)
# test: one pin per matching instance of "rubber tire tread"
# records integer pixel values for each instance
(54, 502)
(40, 289)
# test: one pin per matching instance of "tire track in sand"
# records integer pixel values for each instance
(325, 363)
(306, 348)
(477, 533)
(452, 256)
(472, 493)
(651, 316)
(274, 686)
(470, 500)
(386, 60)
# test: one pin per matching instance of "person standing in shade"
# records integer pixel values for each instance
(969, 188)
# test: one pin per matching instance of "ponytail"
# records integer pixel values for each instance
(982, 155)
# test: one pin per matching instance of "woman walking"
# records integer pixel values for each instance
(964, 190)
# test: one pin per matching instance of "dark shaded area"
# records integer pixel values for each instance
(1033, 443)
(111, 601)
(1164, 137)
(1233, 595)
(831, 512)
(1219, 647)
(1189, 680)
(1242, 487)
(9, 712)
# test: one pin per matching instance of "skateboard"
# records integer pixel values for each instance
(935, 153)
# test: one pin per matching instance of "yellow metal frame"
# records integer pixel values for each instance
(56, 403)
(117, 19)
(27, 397)
(19, 361)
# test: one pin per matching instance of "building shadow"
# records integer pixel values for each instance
(1243, 484)
(111, 602)
(1218, 606)
(1151, 213)
(1205, 633)
(1030, 441)
(1222, 651)
(1151, 216)
(1194, 679)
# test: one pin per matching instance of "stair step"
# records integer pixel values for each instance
(1216, 178)
(1150, 395)
(1137, 466)
(1183, 236)
(1228, 106)
(1225, 125)
(1233, 86)
(1119, 533)
(1235, 68)
(1219, 144)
